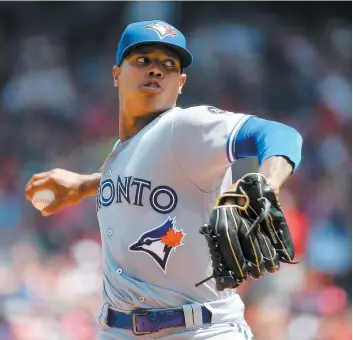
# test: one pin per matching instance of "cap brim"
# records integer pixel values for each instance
(184, 55)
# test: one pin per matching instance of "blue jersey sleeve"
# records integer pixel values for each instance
(264, 139)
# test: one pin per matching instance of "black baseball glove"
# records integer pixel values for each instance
(249, 235)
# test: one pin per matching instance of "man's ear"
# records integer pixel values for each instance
(116, 72)
(182, 82)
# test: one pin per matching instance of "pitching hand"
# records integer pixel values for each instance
(66, 185)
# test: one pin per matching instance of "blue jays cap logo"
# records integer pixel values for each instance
(159, 242)
(162, 29)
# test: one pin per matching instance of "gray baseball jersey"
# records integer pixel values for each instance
(157, 190)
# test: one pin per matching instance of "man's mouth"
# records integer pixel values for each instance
(151, 86)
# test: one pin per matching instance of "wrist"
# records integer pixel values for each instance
(276, 170)
(274, 183)
(89, 184)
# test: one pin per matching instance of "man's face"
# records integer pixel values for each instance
(149, 78)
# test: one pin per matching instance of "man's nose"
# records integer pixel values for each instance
(155, 71)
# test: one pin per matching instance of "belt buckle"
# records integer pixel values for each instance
(134, 326)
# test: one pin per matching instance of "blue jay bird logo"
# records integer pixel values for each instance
(162, 28)
(159, 242)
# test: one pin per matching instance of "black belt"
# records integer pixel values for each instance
(147, 321)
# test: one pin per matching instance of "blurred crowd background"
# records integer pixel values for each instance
(58, 108)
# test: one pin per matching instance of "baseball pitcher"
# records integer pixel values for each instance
(177, 236)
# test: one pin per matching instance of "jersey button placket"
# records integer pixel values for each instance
(141, 299)
(119, 271)
(109, 232)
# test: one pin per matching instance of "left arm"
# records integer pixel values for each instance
(277, 147)
(278, 150)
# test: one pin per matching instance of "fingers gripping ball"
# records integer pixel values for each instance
(42, 199)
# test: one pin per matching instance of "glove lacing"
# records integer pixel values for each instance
(215, 251)
(219, 267)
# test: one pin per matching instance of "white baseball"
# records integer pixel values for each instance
(42, 198)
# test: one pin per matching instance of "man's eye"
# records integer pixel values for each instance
(169, 63)
(142, 60)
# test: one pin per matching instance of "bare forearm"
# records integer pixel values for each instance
(276, 170)
(90, 184)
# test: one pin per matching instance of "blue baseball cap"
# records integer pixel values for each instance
(153, 32)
